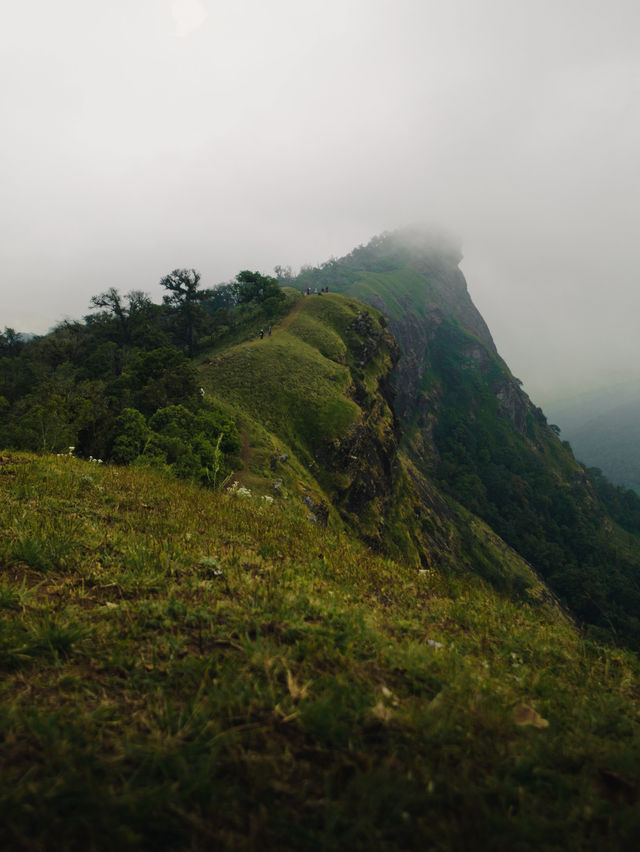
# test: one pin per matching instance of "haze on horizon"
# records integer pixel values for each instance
(146, 135)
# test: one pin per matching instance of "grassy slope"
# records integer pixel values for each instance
(290, 392)
(184, 669)
(293, 382)
(391, 288)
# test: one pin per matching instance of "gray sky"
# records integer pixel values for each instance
(143, 135)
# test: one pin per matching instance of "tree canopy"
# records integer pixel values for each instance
(184, 295)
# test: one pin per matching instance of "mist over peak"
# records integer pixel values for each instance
(408, 244)
(263, 134)
(420, 240)
(428, 240)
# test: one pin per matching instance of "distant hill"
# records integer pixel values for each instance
(603, 427)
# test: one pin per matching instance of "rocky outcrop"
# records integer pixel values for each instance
(513, 403)
(364, 460)
(371, 333)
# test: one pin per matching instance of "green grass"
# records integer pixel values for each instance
(294, 390)
(192, 670)
(247, 326)
(293, 394)
(385, 288)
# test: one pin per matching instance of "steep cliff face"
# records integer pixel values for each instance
(413, 278)
(364, 459)
(471, 433)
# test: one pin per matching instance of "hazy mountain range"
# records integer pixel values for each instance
(603, 428)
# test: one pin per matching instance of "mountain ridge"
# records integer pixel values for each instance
(471, 430)
(317, 640)
(320, 391)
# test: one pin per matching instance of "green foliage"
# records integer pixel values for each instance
(541, 506)
(254, 287)
(243, 321)
(130, 436)
(94, 386)
(621, 503)
(178, 441)
(10, 343)
(183, 293)
(158, 378)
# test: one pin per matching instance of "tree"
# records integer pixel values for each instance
(184, 295)
(10, 342)
(254, 287)
(284, 274)
(159, 378)
(112, 301)
(130, 434)
(129, 321)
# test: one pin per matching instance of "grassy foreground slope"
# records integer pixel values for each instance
(190, 670)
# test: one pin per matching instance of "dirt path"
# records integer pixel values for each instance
(276, 329)
(291, 316)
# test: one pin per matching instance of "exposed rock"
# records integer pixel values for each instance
(363, 461)
(319, 513)
(371, 333)
(513, 403)
(477, 357)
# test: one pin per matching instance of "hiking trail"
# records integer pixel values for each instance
(290, 316)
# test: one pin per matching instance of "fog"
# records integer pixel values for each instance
(144, 135)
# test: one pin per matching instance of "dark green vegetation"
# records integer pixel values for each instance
(122, 386)
(336, 644)
(187, 669)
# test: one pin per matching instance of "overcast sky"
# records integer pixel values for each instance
(143, 135)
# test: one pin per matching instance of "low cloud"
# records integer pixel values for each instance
(293, 131)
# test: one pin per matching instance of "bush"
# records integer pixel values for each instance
(130, 436)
